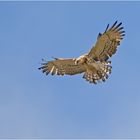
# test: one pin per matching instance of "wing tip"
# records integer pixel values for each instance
(99, 35)
(106, 28)
(117, 28)
(114, 26)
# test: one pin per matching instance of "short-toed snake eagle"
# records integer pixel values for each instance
(94, 64)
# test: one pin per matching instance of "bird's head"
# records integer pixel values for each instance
(77, 61)
(80, 60)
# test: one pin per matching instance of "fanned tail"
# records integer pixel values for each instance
(100, 74)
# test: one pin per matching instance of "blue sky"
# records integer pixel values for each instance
(33, 105)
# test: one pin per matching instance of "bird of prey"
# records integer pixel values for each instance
(95, 64)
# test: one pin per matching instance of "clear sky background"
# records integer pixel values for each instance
(33, 105)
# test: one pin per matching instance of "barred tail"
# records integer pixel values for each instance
(99, 73)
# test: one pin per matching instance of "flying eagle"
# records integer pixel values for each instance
(94, 64)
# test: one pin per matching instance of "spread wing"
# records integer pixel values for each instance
(61, 67)
(107, 42)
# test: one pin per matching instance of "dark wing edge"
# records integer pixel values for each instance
(107, 42)
(61, 67)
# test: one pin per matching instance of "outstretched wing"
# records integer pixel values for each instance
(107, 42)
(62, 67)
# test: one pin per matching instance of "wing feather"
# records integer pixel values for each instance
(62, 67)
(107, 43)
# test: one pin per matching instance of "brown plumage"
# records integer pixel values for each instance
(95, 64)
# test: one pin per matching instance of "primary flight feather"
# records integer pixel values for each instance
(94, 64)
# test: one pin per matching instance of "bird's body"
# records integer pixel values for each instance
(95, 64)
